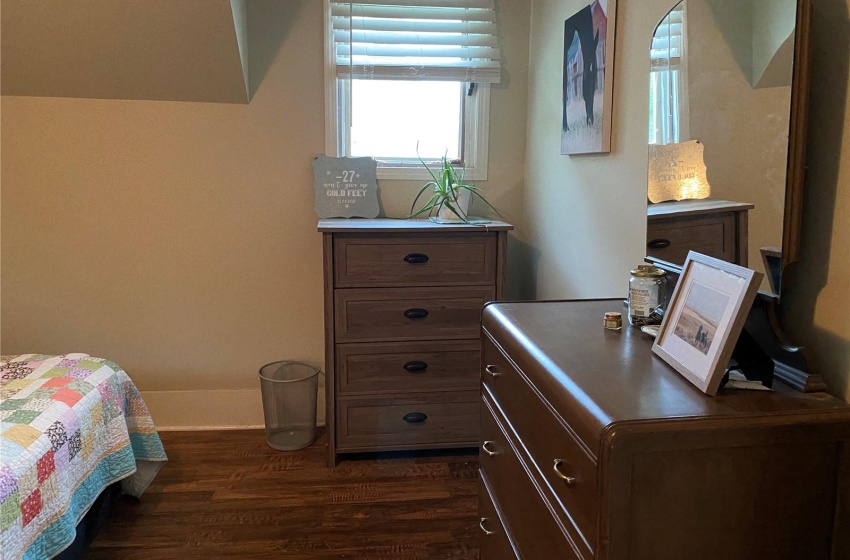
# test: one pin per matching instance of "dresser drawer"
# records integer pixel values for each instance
(397, 314)
(493, 541)
(414, 260)
(398, 367)
(408, 422)
(555, 452)
(671, 239)
(536, 534)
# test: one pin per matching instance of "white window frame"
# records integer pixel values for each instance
(681, 120)
(476, 125)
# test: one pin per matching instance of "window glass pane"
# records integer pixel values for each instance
(389, 117)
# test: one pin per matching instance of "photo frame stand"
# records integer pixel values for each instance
(749, 358)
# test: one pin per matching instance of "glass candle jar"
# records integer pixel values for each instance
(647, 290)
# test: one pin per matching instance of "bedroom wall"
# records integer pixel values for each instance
(586, 215)
(179, 239)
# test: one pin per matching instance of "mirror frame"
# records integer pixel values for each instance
(763, 324)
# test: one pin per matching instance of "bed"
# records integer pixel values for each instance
(72, 426)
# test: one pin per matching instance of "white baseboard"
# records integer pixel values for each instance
(212, 410)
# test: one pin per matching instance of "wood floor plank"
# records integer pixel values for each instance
(228, 495)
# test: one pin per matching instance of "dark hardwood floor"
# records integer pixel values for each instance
(228, 495)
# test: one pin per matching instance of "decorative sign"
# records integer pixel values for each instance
(677, 172)
(346, 187)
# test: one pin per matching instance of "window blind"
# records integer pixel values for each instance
(420, 39)
(667, 42)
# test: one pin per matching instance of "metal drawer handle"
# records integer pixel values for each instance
(415, 366)
(416, 313)
(415, 417)
(557, 468)
(658, 244)
(483, 528)
(487, 451)
(492, 370)
(416, 258)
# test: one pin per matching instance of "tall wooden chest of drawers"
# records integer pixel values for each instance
(594, 448)
(403, 302)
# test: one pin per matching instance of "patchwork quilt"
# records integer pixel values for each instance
(71, 426)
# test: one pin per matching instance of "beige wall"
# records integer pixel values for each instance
(179, 239)
(585, 223)
(818, 304)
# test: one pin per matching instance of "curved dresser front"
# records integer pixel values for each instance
(593, 448)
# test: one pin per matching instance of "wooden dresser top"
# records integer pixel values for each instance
(605, 377)
(694, 207)
(390, 225)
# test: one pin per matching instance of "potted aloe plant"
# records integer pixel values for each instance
(449, 201)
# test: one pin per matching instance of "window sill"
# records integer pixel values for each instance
(421, 174)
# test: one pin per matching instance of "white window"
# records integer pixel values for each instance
(410, 79)
(668, 99)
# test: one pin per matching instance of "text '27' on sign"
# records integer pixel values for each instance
(346, 187)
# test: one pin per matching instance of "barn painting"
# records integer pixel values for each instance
(588, 79)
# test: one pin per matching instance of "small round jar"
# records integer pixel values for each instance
(613, 321)
(647, 290)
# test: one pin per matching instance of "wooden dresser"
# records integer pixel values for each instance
(403, 302)
(717, 228)
(593, 447)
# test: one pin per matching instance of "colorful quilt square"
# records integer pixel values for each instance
(12, 404)
(79, 373)
(14, 371)
(75, 444)
(88, 444)
(93, 364)
(57, 435)
(68, 362)
(81, 386)
(49, 489)
(67, 396)
(31, 507)
(97, 414)
(10, 511)
(16, 384)
(56, 372)
(22, 417)
(57, 382)
(43, 392)
(45, 466)
(8, 484)
(39, 404)
(28, 482)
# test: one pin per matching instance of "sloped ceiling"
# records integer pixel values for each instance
(179, 50)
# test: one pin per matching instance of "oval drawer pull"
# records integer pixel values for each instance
(658, 244)
(416, 258)
(487, 451)
(415, 417)
(492, 370)
(416, 313)
(557, 468)
(415, 366)
(483, 528)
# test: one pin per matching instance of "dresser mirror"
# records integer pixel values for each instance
(728, 94)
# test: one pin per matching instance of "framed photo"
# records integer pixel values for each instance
(588, 79)
(705, 317)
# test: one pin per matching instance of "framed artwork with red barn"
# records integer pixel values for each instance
(588, 79)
